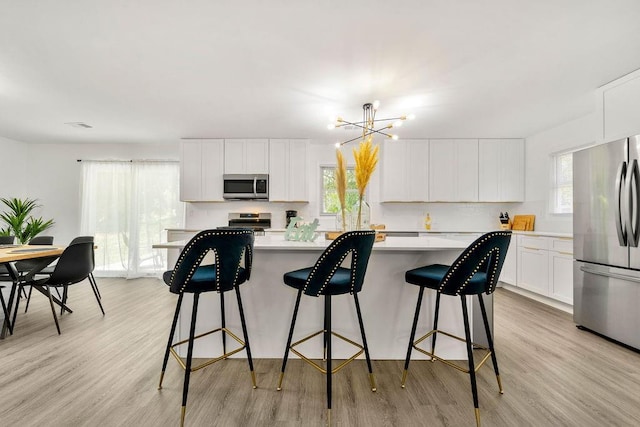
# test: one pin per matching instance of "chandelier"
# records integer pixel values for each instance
(370, 125)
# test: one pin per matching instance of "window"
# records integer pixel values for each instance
(330, 203)
(127, 206)
(562, 186)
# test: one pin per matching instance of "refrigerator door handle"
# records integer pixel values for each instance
(633, 225)
(609, 274)
(620, 227)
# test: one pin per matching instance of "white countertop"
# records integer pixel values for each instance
(277, 243)
(422, 231)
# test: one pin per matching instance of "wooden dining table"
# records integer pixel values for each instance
(45, 254)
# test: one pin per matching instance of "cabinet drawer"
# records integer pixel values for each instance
(533, 242)
(564, 246)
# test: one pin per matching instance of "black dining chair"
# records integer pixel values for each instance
(474, 272)
(26, 266)
(74, 266)
(189, 276)
(5, 277)
(5, 240)
(4, 310)
(4, 274)
(91, 278)
(328, 278)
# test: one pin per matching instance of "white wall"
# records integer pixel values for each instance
(54, 177)
(12, 172)
(539, 148)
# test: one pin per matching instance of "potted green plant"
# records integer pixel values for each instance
(19, 221)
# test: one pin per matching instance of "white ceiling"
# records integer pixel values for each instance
(159, 70)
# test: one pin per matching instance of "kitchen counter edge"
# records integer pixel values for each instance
(390, 230)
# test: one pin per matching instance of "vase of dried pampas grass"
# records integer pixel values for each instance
(366, 157)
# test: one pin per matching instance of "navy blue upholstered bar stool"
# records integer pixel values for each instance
(474, 272)
(328, 278)
(188, 276)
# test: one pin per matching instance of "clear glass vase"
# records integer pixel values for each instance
(339, 225)
(363, 217)
(350, 219)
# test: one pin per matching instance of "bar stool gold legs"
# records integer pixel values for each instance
(171, 348)
(328, 369)
(473, 367)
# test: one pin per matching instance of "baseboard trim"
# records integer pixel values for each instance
(567, 308)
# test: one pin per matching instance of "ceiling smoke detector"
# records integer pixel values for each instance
(80, 125)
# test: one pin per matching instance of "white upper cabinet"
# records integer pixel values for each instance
(288, 169)
(501, 170)
(618, 104)
(246, 156)
(393, 171)
(404, 168)
(453, 170)
(201, 169)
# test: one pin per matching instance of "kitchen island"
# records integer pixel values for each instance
(387, 302)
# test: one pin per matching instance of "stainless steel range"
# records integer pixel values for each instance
(258, 222)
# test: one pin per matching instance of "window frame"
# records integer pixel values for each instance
(323, 167)
(555, 208)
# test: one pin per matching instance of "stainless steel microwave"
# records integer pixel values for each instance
(246, 186)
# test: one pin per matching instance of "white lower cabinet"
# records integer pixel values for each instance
(509, 273)
(468, 238)
(561, 270)
(533, 271)
(545, 266)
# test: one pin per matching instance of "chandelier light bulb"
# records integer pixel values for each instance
(331, 126)
(411, 116)
(397, 124)
(338, 145)
(394, 137)
(376, 104)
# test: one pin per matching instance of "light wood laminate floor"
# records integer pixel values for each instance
(103, 371)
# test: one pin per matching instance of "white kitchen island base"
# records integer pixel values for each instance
(387, 302)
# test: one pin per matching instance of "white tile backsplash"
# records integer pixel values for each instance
(396, 216)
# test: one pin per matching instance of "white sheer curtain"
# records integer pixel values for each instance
(127, 206)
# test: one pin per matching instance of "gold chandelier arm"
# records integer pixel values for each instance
(361, 124)
(367, 134)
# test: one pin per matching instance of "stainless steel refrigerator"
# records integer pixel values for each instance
(606, 228)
